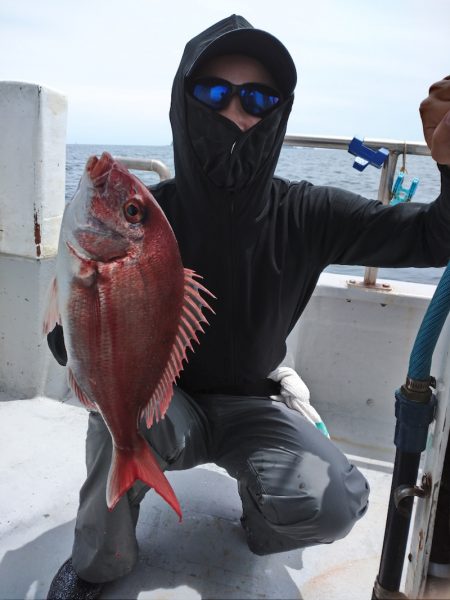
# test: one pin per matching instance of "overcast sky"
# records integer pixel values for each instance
(364, 66)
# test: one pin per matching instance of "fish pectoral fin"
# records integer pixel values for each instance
(191, 319)
(74, 386)
(52, 316)
(127, 466)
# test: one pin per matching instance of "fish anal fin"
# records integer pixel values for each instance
(190, 321)
(51, 316)
(73, 383)
(129, 465)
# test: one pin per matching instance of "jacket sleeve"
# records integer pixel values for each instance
(55, 340)
(349, 229)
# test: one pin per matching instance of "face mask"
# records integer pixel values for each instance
(229, 157)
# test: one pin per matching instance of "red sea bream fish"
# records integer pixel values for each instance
(129, 312)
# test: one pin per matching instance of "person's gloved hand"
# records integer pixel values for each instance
(55, 341)
(295, 394)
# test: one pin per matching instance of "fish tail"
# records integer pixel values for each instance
(127, 466)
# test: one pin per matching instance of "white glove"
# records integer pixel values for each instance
(295, 394)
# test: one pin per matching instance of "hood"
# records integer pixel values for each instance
(213, 157)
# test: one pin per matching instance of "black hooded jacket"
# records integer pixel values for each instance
(261, 242)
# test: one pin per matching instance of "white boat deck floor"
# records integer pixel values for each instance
(205, 556)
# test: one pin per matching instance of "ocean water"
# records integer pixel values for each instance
(319, 166)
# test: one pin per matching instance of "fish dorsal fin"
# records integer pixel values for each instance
(191, 320)
(73, 383)
(51, 316)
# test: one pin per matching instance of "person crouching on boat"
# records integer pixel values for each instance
(260, 242)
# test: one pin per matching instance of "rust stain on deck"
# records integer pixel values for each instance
(37, 234)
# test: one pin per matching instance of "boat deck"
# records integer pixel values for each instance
(205, 556)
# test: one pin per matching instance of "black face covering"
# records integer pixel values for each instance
(230, 158)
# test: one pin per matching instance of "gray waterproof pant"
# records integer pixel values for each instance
(297, 488)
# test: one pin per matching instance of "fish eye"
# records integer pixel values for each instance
(134, 211)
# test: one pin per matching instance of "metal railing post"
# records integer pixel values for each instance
(384, 196)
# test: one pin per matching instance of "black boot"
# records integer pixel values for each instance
(66, 585)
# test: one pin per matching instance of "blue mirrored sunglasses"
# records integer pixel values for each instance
(256, 99)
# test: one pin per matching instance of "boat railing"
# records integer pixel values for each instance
(142, 164)
(395, 149)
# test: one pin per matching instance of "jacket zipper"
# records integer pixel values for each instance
(232, 292)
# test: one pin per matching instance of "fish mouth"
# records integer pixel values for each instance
(99, 168)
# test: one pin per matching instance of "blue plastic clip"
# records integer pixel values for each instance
(400, 193)
(366, 156)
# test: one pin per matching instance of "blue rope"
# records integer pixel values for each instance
(430, 329)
